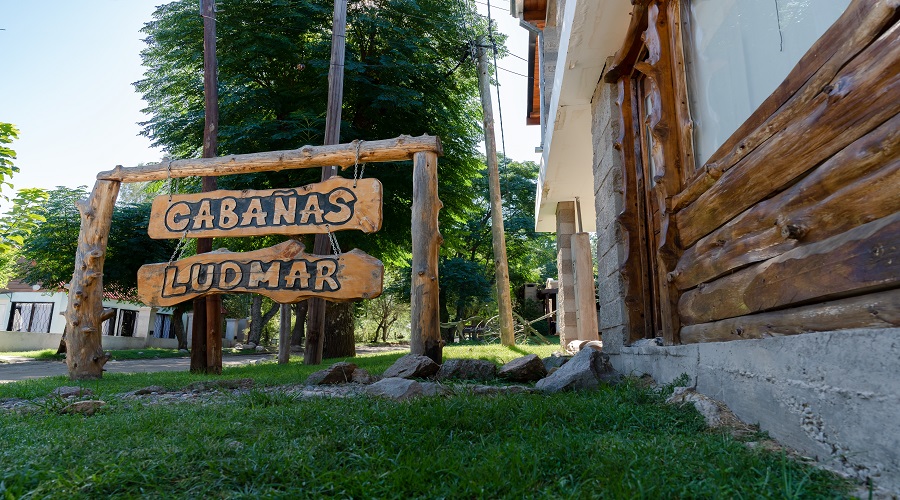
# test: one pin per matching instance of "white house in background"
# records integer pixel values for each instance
(31, 317)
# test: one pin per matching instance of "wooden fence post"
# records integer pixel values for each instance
(84, 315)
(425, 338)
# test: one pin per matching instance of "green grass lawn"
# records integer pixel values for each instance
(620, 442)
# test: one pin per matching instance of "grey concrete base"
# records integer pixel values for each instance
(834, 396)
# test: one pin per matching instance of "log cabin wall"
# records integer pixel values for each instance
(788, 228)
(793, 224)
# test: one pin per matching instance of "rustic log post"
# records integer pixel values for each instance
(214, 334)
(585, 303)
(425, 338)
(84, 315)
(198, 336)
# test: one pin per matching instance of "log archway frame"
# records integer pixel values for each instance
(85, 314)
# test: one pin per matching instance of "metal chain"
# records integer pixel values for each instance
(357, 172)
(179, 248)
(335, 248)
(169, 178)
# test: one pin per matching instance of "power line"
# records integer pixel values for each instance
(515, 73)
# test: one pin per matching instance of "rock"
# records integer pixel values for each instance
(658, 341)
(338, 373)
(71, 392)
(435, 389)
(395, 388)
(713, 412)
(86, 408)
(184, 351)
(493, 390)
(249, 345)
(363, 377)
(241, 383)
(467, 369)
(260, 348)
(525, 369)
(586, 370)
(412, 366)
(555, 361)
(158, 389)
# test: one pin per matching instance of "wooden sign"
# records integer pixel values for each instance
(333, 205)
(284, 273)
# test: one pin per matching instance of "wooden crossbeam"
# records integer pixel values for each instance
(342, 155)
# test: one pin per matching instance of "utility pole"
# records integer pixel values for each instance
(206, 345)
(315, 328)
(498, 238)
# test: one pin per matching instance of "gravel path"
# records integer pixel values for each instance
(13, 369)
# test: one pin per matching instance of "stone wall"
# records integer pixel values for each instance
(608, 200)
(566, 322)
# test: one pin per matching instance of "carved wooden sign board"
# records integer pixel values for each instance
(335, 204)
(284, 272)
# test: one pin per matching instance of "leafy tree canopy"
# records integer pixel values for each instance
(402, 76)
(49, 251)
(8, 133)
(15, 227)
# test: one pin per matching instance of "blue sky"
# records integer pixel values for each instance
(67, 69)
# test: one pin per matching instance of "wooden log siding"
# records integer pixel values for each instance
(861, 97)
(857, 185)
(864, 259)
(877, 310)
(343, 155)
(857, 28)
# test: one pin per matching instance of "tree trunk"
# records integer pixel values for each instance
(299, 332)
(178, 324)
(84, 315)
(339, 330)
(258, 319)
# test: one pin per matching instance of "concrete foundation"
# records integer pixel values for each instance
(833, 396)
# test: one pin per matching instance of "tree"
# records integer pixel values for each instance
(15, 227)
(402, 76)
(49, 250)
(8, 133)
(467, 256)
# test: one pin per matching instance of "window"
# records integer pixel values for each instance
(737, 52)
(30, 317)
(162, 328)
(127, 322)
(109, 326)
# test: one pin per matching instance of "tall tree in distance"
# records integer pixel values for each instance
(402, 76)
(47, 251)
(8, 133)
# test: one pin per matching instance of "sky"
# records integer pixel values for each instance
(66, 83)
